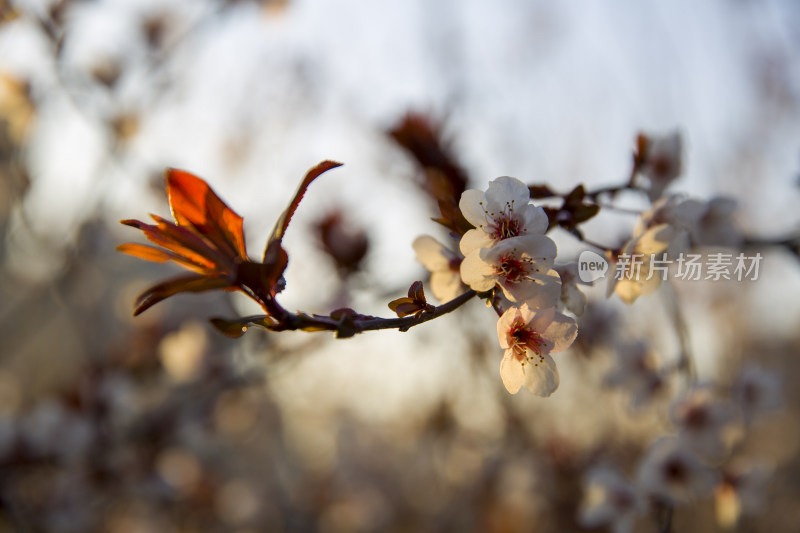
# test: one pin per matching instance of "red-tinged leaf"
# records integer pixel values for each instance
(415, 302)
(148, 253)
(178, 240)
(283, 221)
(264, 276)
(188, 240)
(192, 283)
(405, 307)
(416, 292)
(194, 203)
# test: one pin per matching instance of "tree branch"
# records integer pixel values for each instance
(349, 323)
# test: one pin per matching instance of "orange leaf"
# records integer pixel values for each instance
(286, 216)
(192, 248)
(157, 255)
(194, 203)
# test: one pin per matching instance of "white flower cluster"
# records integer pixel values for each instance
(696, 462)
(508, 250)
(670, 227)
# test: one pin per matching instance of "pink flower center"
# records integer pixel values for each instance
(697, 417)
(512, 269)
(675, 471)
(521, 338)
(505, 226)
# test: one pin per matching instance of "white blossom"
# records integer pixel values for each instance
(673, 472)
(444, 266)
(502, 212)
(680, 215)
(609, 500)
(571, 296)
(758, 390)
(636, 370)
(520, 266)
(528, 338)
(716, 225)
(662, 162)
(638, 277)
(741, 491)
(704, 421)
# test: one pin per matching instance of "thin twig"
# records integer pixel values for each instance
(358, 324)
(685, 363)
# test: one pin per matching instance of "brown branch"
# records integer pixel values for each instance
(351, 324)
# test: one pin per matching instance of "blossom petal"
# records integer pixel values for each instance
(474, 239)
(446, 285)
(535, 219)
(431, 253)
(631, 289)
(505, 322)
(541, 375)
(556, 328)
(476, 272)
(507, 190)
(511, 372)
(655, 240)
(543, 291)
(529, 291)
(472, 207)
(540, 248)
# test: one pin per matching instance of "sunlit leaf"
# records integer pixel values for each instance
(416, 292)
(148, 253)
(283, 221)
(266, 275)
(405, 307)
(414, 304)
(178, 240)
(194, 203)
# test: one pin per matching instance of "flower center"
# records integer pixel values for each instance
(512, 269)
(505, 226)
(522, 338)
(675, 471)
(697, 417)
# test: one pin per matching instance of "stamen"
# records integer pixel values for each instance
(506, 227)
(522, 339)
(512, 269)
